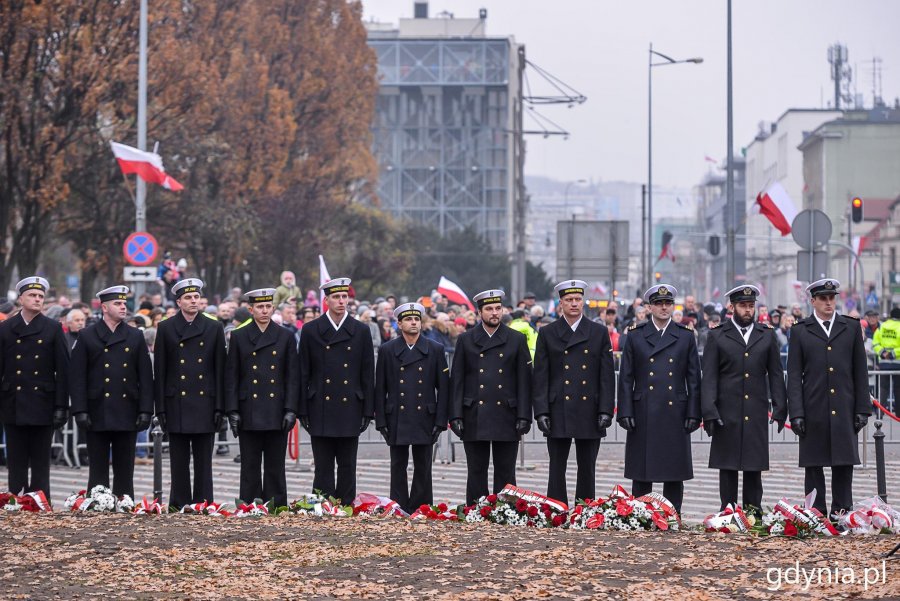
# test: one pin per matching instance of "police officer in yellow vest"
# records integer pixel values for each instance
(886, 345)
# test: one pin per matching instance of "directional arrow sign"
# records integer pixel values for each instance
(139, 274)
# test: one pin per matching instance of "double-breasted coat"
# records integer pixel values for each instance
(111, 377)
(827, 385)
(261, 376)
(659, 386)
(412, 390)
(737, 381)
(574, 378)
(490, 383)
(189, 361)
(34, 363)
(337, 376)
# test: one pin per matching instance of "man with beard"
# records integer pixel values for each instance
(261, 374)
(490, 405)
(574, 391)
(337, 390)
(659, 399)
(34, 361)
(412, 389)
(828, 395)
(190, 389)
(111, 381)
(741, 369)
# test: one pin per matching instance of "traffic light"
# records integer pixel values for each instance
(714, 246)
(658, 276)
(856, 209)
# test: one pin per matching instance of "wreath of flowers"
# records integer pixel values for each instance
(100, 499)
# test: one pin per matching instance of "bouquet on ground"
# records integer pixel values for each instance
(440, 512)
(31, 501)
(100, 499)
(148, 507)
(318, 505)
(517, 507)
(622, 511)
(795, 519)
(730, 519)
(369, 504)
(257, 508)
(207, 508)
(871, 516)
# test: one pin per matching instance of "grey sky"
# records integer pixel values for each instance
(600, 48)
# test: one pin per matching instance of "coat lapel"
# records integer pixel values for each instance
(408, 355)
(815, 329)
(332, 336)
(731, 331)
(110, 337)
(187, 330)
(266, 338)
(21, 329)
(668, 338)
(756, 335)
(579, 335)
(488, 342)
(838, 327)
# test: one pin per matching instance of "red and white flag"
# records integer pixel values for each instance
(777, 206)
(454, 293)
(667, 251)
(859, 245)
(147, 165)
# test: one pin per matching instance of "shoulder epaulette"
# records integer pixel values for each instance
(767, 325)
(686, 326)
(633, 326)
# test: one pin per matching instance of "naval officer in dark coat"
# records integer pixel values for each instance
(490, 406)
(574, 391)
(111, 385)
(34, 395)
(828, 395)
(412, 392)
(659, 398)
(261, 379)
(337, 390)
(189, 361)
(741, 371)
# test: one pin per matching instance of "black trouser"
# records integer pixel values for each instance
(411, 499)
(328, 450)
(841, 488)
(266, 447)
(585, 457)
(478, 455)
(28, 446)
(673, 491)
(181, 447)
(122, 446)
(728, 488)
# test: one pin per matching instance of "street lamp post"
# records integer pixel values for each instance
(667, 60)
(571, 230)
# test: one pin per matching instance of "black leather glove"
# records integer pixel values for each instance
(604, 421)
(304, 421)
(691, 424)
(543, 423)
(60, 417)
(365, 424)
(457, 426)
(435, 434)
(523, 426)
(859, 422)
(83, 420)
(798, 425)
(142, 422)
(234, 420)
(385, 432)
(780, 423)
(289, 420)
(627, 423)
(711, 425)
(220, 422)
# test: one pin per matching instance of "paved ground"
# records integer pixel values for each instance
(373, 470)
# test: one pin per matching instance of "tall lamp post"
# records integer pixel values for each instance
(666, 60)
(571, 230)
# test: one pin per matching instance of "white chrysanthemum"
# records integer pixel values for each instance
(776, 528)
(126, 504)
(100, 490)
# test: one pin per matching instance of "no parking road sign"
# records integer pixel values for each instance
(140, 249)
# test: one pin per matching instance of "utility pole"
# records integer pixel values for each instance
(729, 178)
(140, 207)
(520, 200)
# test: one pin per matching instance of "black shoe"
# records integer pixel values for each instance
(237, 458)
(223, 450)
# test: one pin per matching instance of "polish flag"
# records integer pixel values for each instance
(777, 206)
(147, 165)
(454, 293)
(859, 244)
